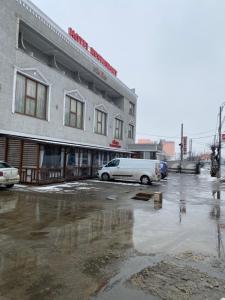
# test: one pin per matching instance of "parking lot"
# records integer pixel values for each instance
(91, 239)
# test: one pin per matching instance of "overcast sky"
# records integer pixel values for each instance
(171, 51)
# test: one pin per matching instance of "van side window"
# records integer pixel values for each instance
(114, 163)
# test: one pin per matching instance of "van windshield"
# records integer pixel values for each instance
(113, 163)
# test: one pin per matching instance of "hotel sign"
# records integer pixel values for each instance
(115, 144)
(91, 50)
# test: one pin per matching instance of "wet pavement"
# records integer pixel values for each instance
(91, 240)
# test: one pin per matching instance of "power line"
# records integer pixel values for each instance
(202, 137)
(203, 143)
(176, 137)
(203, 132)
(160, 136)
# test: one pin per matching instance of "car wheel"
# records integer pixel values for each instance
(9, 185)
(145, 180)
(105, 177)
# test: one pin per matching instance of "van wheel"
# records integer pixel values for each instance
(105, 177)
(145, 180)
(9, 185)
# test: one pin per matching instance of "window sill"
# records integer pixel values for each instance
(74, 127)
(100, 133)
(118, 138)
(30, 116)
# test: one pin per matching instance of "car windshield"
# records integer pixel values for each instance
(4, 165)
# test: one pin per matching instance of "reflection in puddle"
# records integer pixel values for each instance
(68, 243)
(157, 205)
(215, 214)
(71, 241)
(7, 206)
(54, 229)
(216, 194)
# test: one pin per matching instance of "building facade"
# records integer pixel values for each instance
(168, 148)
(147, 151)
(63, 112)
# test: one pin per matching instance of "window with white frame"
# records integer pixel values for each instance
(118, 129)
(100, 122)
(74, 113)
(131, 108)
(31, 97)
(130, 131)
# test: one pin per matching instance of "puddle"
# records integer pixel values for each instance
(90, 237)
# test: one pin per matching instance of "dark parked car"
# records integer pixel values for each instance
(163, 169)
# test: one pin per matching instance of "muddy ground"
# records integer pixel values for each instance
(91, 240)
(171, 279)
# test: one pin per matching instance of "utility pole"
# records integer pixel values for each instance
(219, 146)
(190, 149)
(181, 146)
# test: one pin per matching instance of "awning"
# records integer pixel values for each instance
(65, 143)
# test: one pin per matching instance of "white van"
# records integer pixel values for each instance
(131, 169)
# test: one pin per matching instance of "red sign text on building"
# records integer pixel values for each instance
(78, 38)
(91, 50)
(115, 144)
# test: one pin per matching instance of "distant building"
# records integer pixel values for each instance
(205, 156)
(168, 147)
(146, 151)
(147, 148)
(145, 141)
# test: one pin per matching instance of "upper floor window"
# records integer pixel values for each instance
(74, 113)
(100, 122)
(130, 131)
(131, 108)
(119, 129)
(31, 97)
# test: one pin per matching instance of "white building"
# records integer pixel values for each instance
(63, 110)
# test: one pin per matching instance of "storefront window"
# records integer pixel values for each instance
(85, 157)
(52, 157)
(96, 158)
(152, 155)
(71, 158)
(105, 158)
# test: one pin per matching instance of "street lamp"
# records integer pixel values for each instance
(219, 146)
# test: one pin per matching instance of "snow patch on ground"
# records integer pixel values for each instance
(60, 187)
(205, 174)
(84, 188)
(115, 182)
(20, 186)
